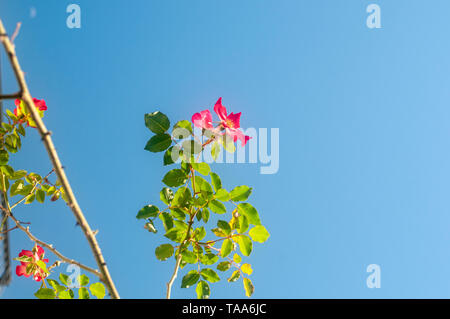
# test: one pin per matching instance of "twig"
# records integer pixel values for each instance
(48, 246)
(16, 32)
(10, 96)
(53, 155)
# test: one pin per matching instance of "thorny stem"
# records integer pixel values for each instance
(25, 96)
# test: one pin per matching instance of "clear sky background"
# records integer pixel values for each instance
(364, 119)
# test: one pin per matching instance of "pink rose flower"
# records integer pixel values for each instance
(31, 268)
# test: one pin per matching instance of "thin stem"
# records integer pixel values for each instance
(178, 253)
(174, 275)
(53, 155)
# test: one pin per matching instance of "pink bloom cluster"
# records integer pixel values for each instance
(28, 268)
(22, 114)
(230, 123)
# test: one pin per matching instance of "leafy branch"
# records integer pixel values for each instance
(190, 197)
(25, 96)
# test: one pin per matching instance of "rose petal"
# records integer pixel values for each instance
(238, 135)
(22, 271)
(220, 109)
(234, 120)
(202, 119)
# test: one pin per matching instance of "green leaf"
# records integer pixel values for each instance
(176, 234)
(66, 294)
(227, 144)
(178, 213)
(234, 276)
(21, 130)
(243, 224)
(25, 190)
(189, 257)
(216, 182)
(164, 251)
(248, 286)
(200, 233)
(157, 122)
(16, 187)
(245, 245)
(224, 266)
(210, 275)
(215, 150)
(181, 225)
(237, 259)
(202, 168)
(175, 178)
(182, 198)
(98, 290)
(24, 258)
(50, 191)
(166, 195)
(55, 284)
(209, 259)
(227, 247)
(158, 143)
(65, 280)
(182, 129)
(250, 212)
(218, 232)
(7, 126)
(19, 174)
(45, 293)
(190, 279)
(247, 269)
(226, 228)
(205, 215)
(198, 215)
(202, 186)
(8, 170)
(172, 155)
(259, 233)
(40, 196)
(83, 280)
(198, 201)
(240, 193)
(222, 195)
(167, 220)
(11, 114)
(202, 290)
(217, 207)
(83, 293)
(30, 199)
(42, 265)
(147, 212)
(4, 157)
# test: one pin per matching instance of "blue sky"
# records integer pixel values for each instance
(363, 115)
